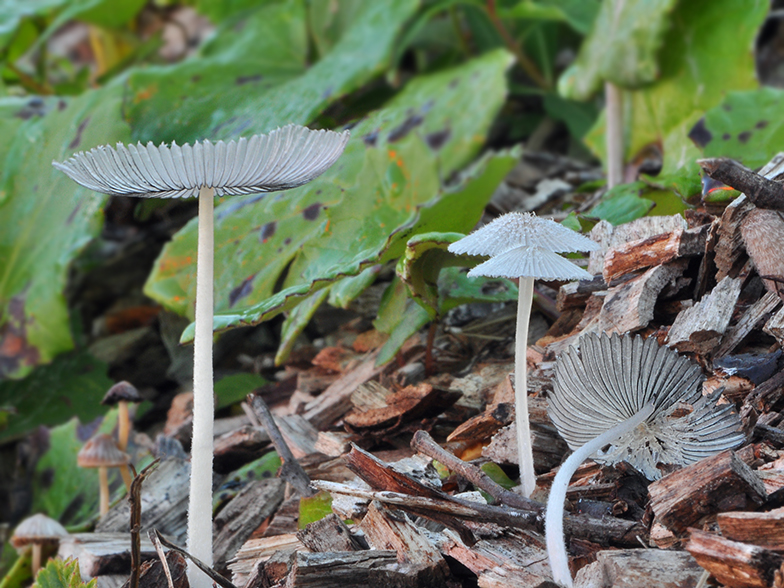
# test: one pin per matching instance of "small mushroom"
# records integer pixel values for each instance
(38, 531)
(283, 159)
(522, 245)
(120, 395)
(616, 399)
(101, 452)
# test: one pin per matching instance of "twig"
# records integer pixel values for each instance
(161, 556)
(291, 471)
(215, 576)
(425, 444)
(135, 500)
(764, 193)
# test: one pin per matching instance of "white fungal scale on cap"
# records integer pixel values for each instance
(611, 378)
(285, 158)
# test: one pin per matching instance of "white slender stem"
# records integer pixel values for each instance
(525, 452)
(554, 535)
(614, 133)
(200, 505)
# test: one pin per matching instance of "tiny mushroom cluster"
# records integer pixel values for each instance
(285, 158)
(525, 246)
(615, 398)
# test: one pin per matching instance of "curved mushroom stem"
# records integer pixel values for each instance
(200, 501)
(103, 482)
(36, 563)
(125, 472)
(524, 449)
(124, 425)
(554, 535)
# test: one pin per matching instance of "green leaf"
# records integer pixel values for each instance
(622, 204)
(234, 388)
(622, 48)
(494, 471)
(72, 385)
(15, 12)
(330, 19)
(46, 221)
(386, 187)
(314, 508)
(456, 288)
(399, 317)
(579, 14)
(60, 573)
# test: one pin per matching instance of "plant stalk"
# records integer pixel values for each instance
(123, 424)
(525, 453)
(553, 522)
(200, 501)
(103, 484)
(614, 109)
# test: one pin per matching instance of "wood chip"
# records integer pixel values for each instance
(763, 234)
(633, 568)
(103, 553)
(765, 529)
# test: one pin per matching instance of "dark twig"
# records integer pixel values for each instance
(161, 556)
(215, 576)
(135, 500)
(764, 193)
(291, 471)
(424, 443)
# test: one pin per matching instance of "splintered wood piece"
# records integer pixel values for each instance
(733, 563)
(271, 572)
(632, 568)
(628, 307)
(152, 575)
(260, 549)
(765, 529)
(775, 326)
(699, 329)
(729, 250)
(652, 251)
(333, 443)
(328, 534)
(340, 569)
(547, 445)
(746, 323)
(763, 234)
(575, 294)
(485, 424)
(714, 484)
(299, 434)
(238, 447)
(103, 553)
(767, 395)
(239, 518)
(335, 401)
(392, 530)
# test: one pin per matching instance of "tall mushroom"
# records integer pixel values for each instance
(101, 452)
(38, 531)
(284, 159)
(616, 399)
(522, 245)
(120, 395)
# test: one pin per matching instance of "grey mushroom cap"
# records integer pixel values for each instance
(285, 158)
(521, 229)
(530, 262)
(610, 378)
(38, 528)
(121, 391)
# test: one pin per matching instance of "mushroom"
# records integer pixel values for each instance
(616, 399)
(284, 159)
(120, 395)
(522, 245)
(37, 531)
(102, 453)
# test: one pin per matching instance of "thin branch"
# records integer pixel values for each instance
(135, 500)
(764, 193)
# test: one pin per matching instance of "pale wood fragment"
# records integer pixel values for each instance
(340, 569)
(763, 235)
(775, 326)
(575, 294)
(714, 484)
(765, 529)
(633, 568)
(333, 443)
(729, 249)
(329, 534)
(747, 322)
(259, 549)
(102, 553)
(734, 564)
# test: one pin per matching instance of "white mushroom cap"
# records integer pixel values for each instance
(530, 262)
(39, 529)
(521, 229)
(283, 159)
(609, 379)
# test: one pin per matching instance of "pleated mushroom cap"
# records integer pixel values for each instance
(101, 451)
(121, 391)
(285, 158)
(39, 529)
(532, 262)
(610, 378)
(521, 229)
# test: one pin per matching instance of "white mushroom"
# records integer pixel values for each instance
(285, 158)
(614, 399)
(37, 531)
(522, 245)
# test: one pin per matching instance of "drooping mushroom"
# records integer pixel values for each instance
(283, 159)
(120, 395)
(38, 531)
(101, 452)
(615, 399)
(522, 245)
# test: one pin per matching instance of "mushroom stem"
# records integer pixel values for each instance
(614, 108)
(554, 535)
(125, 472)
(36, 562)
(124, 424)
(524, 449)
(103, 484)
(200, 505)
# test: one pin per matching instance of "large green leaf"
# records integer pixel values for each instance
(622, 48)
(14, 12)
(241, 88)
(72, 385)
(45, 220)
(388, 181)
(579, 14)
